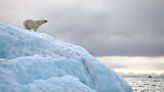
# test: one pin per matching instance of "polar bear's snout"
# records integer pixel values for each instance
(31, 24)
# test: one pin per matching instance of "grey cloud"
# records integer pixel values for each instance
(103, 27)
(13, 11)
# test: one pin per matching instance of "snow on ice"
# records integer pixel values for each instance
(37, 62)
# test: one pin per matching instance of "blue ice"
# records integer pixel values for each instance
(37, 62)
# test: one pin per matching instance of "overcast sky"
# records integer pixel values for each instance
(103, 27)
(137, 65)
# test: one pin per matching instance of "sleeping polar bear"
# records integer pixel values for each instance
(31, 24)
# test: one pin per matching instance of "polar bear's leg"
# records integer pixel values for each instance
(35, 29)
(27, 28)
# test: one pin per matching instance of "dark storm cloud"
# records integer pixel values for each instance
(104, 27)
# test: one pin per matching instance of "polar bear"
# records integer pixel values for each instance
(32, 24)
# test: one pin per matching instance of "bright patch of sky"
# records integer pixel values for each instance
(125, 64)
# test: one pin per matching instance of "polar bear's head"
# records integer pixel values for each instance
(44, 21)
(40, 22)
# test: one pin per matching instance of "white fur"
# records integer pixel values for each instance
(31, 24)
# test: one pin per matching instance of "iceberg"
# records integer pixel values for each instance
(37, 62)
